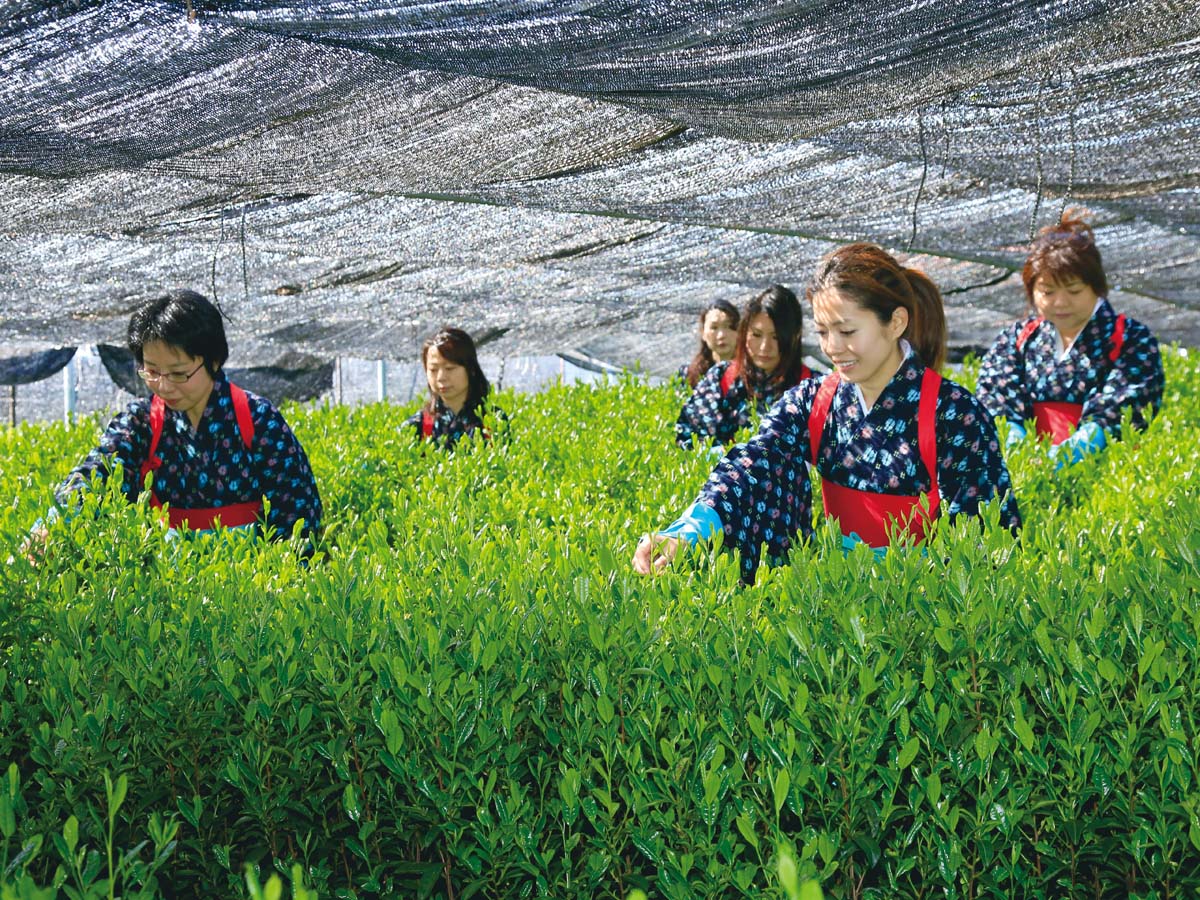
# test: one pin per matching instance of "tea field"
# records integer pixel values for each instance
(466, 692)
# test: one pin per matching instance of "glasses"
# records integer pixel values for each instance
(149, 376)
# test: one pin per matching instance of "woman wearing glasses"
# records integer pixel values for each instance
(210, 450)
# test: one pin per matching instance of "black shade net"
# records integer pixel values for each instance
(344, 177)
(293, 376)
(35, 365)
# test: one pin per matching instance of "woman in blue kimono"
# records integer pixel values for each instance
(458, 392)
(1073, 366)
(767, 361)
(894, 444)
(202, 446)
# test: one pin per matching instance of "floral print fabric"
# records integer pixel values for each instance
(1011, 380)
(762, 489)
(710, 414)
(210, 466)
(450, 427)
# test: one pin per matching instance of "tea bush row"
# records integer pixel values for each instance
(467, 693)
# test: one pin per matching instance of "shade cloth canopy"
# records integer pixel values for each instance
(344, 177)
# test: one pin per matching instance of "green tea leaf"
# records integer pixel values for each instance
(908, 753)
(783, 781)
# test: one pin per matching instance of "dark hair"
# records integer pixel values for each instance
(1064, 250)
(784, 309)
(703, 360)
(456, 345)
(182, 319)
(877, 282)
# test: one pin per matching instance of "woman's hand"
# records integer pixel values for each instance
(33, 548)
(654, 553)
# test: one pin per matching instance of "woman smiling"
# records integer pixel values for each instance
(1073, 366)
(894, 444)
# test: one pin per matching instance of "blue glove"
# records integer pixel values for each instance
(716, 453)
(852, 540)
(698, 522)
(52, 515)
(1016, 434)
(1089, 438)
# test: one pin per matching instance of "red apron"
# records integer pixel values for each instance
(231, 516)
(733, 371)
(1054, 418)
(868, 514)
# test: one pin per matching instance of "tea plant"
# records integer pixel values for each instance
(467, 693)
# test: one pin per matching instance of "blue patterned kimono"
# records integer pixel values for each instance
(450, 427)
(1011, 380)
(762, 493)
(709, 414)
(208, 467)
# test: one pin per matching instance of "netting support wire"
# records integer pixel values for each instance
(216, 250)
(418, 372)
(242, 238)
(1037, 138)
(912, 236)
(1074, 105)
(69, 396)
(946, 135)
(381, 379)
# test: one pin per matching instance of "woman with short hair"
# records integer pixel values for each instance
(203, 447)
(1073, 366)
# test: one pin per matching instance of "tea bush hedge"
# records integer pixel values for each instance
(467, 693)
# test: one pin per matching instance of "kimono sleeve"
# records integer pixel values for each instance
(124, 442)
(971, 467)
(1135, 380)
(761, 489)
(284, 475)
(1001, 387)
(702, 411)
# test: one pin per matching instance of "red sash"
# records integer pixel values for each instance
(868, 514)
(1054, 418)
(732, 371)
(231, 516)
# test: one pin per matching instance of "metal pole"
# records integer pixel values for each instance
(70, 371)
(337, 379)
(381, 378)
(12, 405)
